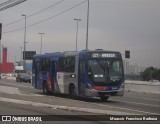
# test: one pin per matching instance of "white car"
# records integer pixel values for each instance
(154, 82)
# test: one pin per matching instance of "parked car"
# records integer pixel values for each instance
(23, 77)
(154, 82)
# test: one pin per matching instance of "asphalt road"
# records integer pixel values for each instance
(147, 103)
(131, 102)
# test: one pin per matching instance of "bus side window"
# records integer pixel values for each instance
(61, 64)
(45, 64)
(70, 64)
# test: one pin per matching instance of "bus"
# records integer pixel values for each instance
(95, 73)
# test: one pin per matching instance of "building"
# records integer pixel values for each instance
(6, 67)
(132, 71)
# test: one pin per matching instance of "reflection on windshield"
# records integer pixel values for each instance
(104, 70)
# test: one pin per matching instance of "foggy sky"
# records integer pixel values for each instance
(117, 25)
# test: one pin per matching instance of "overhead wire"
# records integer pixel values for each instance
(7, 2)
(47, 18)
(59, 2)
(11, 4)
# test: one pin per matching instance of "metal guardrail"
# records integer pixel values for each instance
(141, 82)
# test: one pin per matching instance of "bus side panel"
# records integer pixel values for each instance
(81, 76)
(33, 79)
(53, 74)
(69, 76)
(35, 73)
(42, 77)
(60, 81)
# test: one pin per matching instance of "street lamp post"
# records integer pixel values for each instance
(87, 26)
(24, 41)
(41, 43)
(21, 53)
(77, 31)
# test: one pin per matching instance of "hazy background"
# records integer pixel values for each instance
(117, 25)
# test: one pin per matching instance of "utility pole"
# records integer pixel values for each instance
(87, 26)
(21, 53)
(77, 31)
(24, 42)
(41, 43)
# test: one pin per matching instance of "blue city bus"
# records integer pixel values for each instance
(96, 73)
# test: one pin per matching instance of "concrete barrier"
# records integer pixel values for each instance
(141, 86)
(141, 82)
(8, 77)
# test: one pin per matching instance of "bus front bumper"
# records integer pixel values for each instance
(96, 93)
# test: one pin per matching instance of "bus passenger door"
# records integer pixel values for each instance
(54, 76)
(81, 77)
(37, 69)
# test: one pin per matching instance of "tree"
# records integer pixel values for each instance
(151, 73)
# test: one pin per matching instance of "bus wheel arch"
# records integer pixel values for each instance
(72, 90)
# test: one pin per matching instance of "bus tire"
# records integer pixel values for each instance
(104, 98)
(45, 89)
(72, 91)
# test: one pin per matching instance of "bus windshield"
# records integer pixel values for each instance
(105, 70)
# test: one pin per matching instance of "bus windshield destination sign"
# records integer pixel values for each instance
(103, 55)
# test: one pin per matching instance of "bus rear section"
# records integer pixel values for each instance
(44, 72)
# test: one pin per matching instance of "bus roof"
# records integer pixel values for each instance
(70, 53)
(98, 50)
(48, 55)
